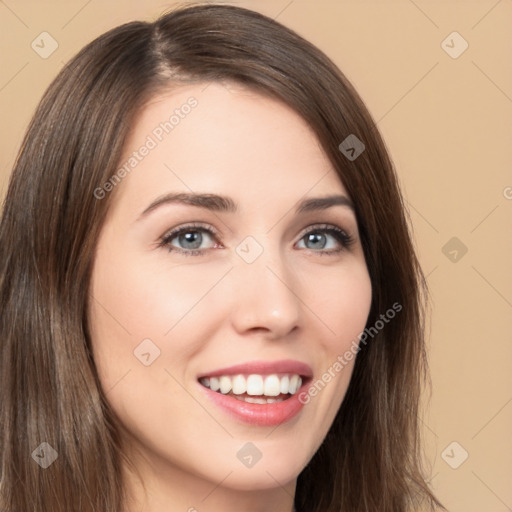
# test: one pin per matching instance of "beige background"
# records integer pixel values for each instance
(448, 125)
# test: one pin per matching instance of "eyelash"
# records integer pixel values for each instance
(340, 235)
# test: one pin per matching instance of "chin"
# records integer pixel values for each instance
(260, 479)
(272, 470)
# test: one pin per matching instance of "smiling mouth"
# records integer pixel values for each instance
(255, 388)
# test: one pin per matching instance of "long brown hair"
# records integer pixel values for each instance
(371, 459)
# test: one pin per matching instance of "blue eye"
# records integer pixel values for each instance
(191, 238)
(320, 235)
(188, 240)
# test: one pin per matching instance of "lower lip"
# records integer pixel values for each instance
(263, 415)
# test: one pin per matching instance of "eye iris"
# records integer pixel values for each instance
(191, 237)
(315, 237)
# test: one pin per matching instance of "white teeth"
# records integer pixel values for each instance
(254, 385)
(214, 384)
(285, 383)
(239, 385)
(272, 386)
(294, 381)
(253, 400)
(225, 385)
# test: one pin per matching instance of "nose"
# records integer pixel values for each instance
(265, 297)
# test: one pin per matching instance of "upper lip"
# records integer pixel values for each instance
(263, 368)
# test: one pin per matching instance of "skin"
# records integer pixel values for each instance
(214, 310)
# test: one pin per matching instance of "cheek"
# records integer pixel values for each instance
(344, 305)
(343, 308)
(144, 297)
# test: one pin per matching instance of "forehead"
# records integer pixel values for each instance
(226, 139)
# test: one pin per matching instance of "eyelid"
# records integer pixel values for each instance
(323, 226)
(192, 225)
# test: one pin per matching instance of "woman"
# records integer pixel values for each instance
(280, 368)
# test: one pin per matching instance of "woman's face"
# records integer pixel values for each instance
(250, 292)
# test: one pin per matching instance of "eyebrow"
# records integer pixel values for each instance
(218, 203)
